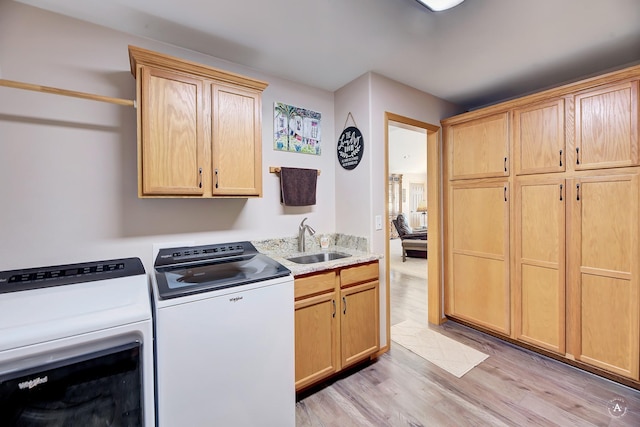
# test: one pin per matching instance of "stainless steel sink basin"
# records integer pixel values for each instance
(320, 257)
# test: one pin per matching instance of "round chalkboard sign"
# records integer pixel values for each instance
(350, 147)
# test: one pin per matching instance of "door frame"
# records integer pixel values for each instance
(434, 222)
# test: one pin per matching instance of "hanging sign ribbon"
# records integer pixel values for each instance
(350, 146)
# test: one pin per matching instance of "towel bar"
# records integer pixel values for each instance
(276, 169)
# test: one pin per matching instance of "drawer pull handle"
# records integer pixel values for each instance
(216, 178)
(200, 174)
(505, 193)
(578, 192)
(344, 302)
(334, 308)
(505, 164)
(577, 155)
(560, 157)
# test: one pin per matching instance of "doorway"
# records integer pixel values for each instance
(430, 153)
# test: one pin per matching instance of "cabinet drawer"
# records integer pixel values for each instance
(359, 274)
(315, 284)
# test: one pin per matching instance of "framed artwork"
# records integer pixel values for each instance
(296, 129)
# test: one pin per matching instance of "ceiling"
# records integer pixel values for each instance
(475, 54)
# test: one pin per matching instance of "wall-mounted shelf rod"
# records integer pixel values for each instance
(275, 169)
(57, 91)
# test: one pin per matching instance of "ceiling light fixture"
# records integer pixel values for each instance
(439, 5)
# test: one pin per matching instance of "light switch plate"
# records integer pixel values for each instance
(378, 222)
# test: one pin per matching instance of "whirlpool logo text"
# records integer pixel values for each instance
(33, 383)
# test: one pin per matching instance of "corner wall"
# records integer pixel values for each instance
(370, 97)
(68, 178)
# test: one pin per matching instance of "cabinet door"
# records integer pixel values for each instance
(539, 290)
(539, 138)
(480, 148)
(316, 339)
(171, 150)
(478, 285)
(606, 127)
(359, 325)
(236, 141)
(604, 303)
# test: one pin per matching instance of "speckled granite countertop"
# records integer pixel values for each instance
(281, 249)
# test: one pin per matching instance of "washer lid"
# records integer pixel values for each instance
(179, 280)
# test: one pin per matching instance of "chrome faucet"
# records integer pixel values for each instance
(301, 234)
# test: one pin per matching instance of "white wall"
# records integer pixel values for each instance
(363, 194)
(68, 190)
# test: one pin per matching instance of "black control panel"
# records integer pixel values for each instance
(57, 275)
(188, 254)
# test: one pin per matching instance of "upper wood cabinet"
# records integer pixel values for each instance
(606, 127)
(236, 141)
(480, 148)
(199, 129)
(539, 138)
(171, 147)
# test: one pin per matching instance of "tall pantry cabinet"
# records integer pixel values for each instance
(555, 266)
(479, 222)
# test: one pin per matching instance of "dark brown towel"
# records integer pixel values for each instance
(298, 186)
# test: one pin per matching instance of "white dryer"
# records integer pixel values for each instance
(76, 345)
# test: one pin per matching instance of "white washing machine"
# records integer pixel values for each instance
(76, 345)
(224, 327)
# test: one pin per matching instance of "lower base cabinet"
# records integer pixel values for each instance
(359, 323)
(316, 327)
(336, 321)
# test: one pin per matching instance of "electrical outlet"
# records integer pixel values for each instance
(378, 222)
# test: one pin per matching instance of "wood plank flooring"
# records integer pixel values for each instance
(513, 387)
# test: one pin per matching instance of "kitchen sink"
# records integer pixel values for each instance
(320, 257)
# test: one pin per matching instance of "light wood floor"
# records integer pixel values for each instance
(513, 387)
